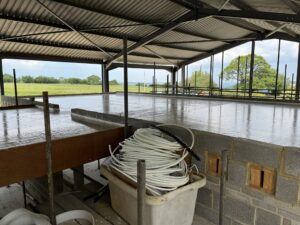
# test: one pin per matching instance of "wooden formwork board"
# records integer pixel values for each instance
(29, 161)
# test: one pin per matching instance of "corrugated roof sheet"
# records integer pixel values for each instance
(213, 28)
(106, 22)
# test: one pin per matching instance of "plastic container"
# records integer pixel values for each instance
(174, 208)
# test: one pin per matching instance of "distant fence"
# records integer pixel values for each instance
(256, 93)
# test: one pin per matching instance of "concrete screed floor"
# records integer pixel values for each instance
(270, 123)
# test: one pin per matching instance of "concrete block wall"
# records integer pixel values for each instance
(245, 205)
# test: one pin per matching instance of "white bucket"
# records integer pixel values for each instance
(174, 208)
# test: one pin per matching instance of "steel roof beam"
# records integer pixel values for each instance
(212, 52)
(86, 48)
(141, 66)
(246, 25)
(158, 55)
(130, 19)
(244, 6)
(292, 5)
(72, 28)
(147, 39)
(251, 14)
(18, 55)
(88, 31)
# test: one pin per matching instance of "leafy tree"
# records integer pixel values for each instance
(113, 82)
(83, 81)
(264, 76)
(73, 80)
(93, 80)
(46, 80)
(8, 78)
(27, 79)
(202, 79)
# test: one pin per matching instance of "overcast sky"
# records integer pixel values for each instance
(268, 49)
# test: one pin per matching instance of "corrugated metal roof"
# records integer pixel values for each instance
(149, 11)
(214, 28)
(277, 6)
(106, 22)
(168, 52)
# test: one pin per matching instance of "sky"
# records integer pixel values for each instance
(267, 49)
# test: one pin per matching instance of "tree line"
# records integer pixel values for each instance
(90, 80)
(238, 70)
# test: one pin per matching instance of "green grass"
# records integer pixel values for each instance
(63, 89)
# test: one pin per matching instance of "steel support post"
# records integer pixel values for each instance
(154, 78)
(195, 80)
(211, 75)
(173, 80)
(251, 69)
(24, 194)
(49, 157)
(298, 77)
(187, 76)
(167, 91)
(238, 77)
(222, 73)
(1, 78)
(183, 78)
(141, 191)
(245, 76)
(292, 86)
(105, 79)
(277, 69)
(16, 89)
(224, 161)
(284, 82)
(125, 66)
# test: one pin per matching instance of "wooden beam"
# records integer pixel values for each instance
(28, 162)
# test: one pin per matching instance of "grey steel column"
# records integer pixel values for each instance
(1, 79)
(298, 76)
(251, 69)
(105, 79)
(183, 78)
(141, 191)
(224, 161)
(167, 91)
(238, 77)
(284, 82)
(15, 86)
(211, 72)
(125, 66)
(49, 157)
(292, 87)
(245, 77)
(173, 80)
(222, 73)
(277, 69)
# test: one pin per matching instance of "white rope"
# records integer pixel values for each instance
(166, 169)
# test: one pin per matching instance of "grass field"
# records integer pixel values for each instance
(63, 89)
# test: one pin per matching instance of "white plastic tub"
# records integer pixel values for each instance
(174, 208)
